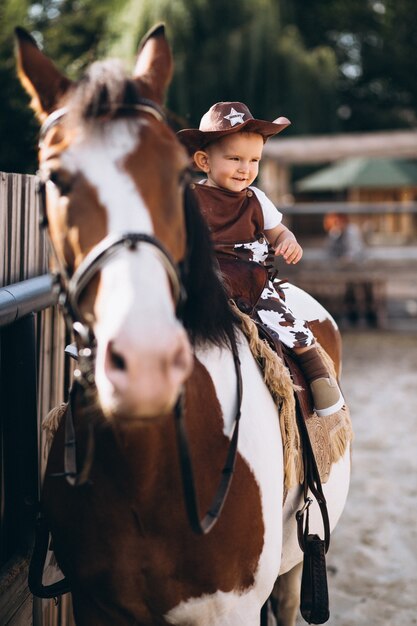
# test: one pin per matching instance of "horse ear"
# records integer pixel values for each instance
(154, 64)
(38, 75)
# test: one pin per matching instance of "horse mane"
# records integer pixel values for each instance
(104, 91)
(207, 314)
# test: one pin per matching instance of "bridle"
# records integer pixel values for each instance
(71, 288)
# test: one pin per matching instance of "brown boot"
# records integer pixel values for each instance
(327, 396)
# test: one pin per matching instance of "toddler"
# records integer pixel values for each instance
(228, 147)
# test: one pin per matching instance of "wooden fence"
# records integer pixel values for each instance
(34, 377)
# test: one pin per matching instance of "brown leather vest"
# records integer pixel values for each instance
(233, 217)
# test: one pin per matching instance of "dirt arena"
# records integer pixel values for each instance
(372, 562)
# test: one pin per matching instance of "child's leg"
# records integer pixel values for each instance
(327, 396)
(296, 334)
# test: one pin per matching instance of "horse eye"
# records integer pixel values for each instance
(62, 181)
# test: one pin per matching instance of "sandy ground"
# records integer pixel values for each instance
(372, 562)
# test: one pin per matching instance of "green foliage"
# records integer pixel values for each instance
(374, 42)
(74, 33)
(239, 50)
(326, 65)
(17, 126)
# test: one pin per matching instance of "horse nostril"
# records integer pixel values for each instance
(117, 361)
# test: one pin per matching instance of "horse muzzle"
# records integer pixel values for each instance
(143, 381)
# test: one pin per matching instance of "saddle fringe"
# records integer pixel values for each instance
(50, 426)
(279, 382)
(329, 436)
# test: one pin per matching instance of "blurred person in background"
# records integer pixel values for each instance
(344, 238)
(345, 244)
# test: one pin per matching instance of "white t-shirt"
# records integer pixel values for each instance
(272, 217)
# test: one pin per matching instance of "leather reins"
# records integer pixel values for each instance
(203, 526)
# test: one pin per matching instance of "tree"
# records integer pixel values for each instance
(17, 126)
(326, 65)
(74, 33)
(237, 51)
(374, 42)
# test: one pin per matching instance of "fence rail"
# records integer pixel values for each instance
(34, 377)
(351, 208)
(29, 296)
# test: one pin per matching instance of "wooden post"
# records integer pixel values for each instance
(275, 182)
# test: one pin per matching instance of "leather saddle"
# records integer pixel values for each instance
(245, 282)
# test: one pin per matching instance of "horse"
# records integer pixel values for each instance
(155, 332)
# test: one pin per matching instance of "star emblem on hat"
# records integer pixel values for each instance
(234, 117)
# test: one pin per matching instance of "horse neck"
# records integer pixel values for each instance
(207, 315)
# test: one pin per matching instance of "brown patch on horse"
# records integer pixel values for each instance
(73, 205)
(70, 217)
(125, 542)
(156, 178)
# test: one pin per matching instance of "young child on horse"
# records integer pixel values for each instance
(228, 147)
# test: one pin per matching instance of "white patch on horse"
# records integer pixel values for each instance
(98, 155)
(136, 313)
(304, 306)
(260, 444)
(218, 609)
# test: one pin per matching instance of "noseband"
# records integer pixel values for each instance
(105, 250)
(71, 287)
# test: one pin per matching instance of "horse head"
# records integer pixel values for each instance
(113, 178)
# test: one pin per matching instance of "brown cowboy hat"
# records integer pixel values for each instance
(225, 118)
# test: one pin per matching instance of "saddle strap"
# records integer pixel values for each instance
(37, 564)
(311, 482)
(314, 597)
(314, 600)
(204, 526)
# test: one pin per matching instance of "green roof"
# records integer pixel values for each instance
(361, 172)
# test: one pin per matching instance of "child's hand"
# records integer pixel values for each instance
(290, 249)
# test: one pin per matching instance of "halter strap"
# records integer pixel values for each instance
(51, 121)
(71, 287)
(144, 105)
(108, 247)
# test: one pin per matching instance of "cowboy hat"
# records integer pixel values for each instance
(225, 118)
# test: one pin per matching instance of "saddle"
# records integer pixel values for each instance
(245, 282)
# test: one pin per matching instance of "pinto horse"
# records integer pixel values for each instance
(128, 247)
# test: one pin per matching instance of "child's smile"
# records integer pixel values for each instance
(232, 162)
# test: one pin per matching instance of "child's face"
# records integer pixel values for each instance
(232, 162)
